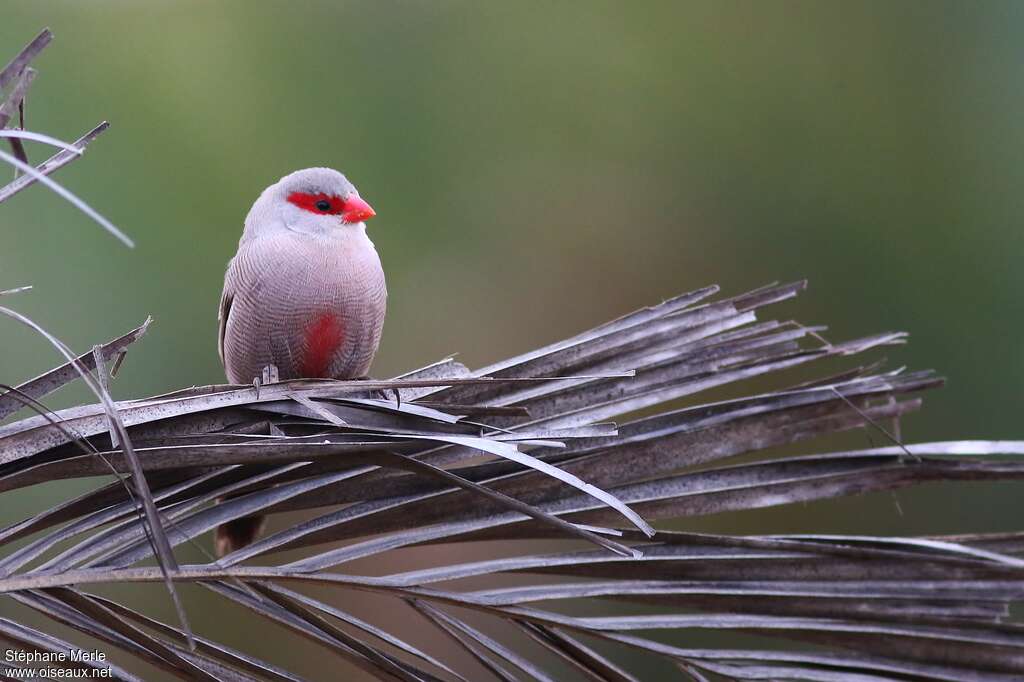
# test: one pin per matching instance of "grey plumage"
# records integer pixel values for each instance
(305, 292)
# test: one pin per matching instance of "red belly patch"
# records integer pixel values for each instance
(324, 337)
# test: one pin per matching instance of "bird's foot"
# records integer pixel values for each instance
(383, 393)
(270, 376)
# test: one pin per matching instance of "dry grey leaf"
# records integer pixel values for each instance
(411, 474)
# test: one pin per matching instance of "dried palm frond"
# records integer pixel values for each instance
(567, 454)
(18, 75)
(523, 450)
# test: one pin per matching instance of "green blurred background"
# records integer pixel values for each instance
(540, 167)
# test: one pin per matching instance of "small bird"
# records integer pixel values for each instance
(305, 294)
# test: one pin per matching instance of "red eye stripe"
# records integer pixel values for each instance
(309, 202)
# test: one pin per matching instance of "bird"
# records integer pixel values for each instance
(304, 296)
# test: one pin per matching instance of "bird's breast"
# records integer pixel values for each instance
(313, 308)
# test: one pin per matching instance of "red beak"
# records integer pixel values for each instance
(357, 210)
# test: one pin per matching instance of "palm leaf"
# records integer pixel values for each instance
(412, 473)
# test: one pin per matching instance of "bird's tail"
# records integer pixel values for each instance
(237, 534)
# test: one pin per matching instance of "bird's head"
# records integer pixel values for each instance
(313, 201)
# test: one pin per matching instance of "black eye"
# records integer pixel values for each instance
(323, 205)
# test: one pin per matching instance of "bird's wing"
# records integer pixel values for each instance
(226, 298)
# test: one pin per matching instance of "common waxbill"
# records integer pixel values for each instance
(305, 293)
